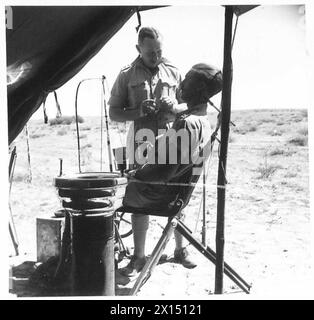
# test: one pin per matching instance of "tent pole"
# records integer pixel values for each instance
(107, 124)
(225, 120)
(28, 155)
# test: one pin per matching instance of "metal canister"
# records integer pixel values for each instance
(92, 238)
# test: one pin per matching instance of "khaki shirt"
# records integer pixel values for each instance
(142, 194)
(136, 83)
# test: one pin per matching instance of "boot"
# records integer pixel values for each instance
(182, 256)
(134, 266)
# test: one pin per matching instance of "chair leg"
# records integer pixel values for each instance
(211, 255)
(118, 240)
(155, 256)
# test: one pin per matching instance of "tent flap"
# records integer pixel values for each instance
(47, 46)
(238, 10)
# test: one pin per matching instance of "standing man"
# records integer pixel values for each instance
(145, 92)
(149, 77)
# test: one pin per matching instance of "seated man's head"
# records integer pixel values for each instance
(201, 83)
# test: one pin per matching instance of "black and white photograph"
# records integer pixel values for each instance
(157, 151)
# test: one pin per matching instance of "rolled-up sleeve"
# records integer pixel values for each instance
(119, 94)
(119, 91)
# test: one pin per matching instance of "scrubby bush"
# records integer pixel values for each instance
(296, 118)
(280, 152)
(36, 135)
(62, 132)
(87, 128)
(20, 177)
(275, 132)
(252, 128)
(65, 120)
(87, 145)
(291, 174)
(266, 120)
(300, 140)
(303, 113)
(266, 171)
(276, 152)
(303, 130)
(245, 128)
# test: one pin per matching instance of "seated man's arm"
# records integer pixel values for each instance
(177, 108)
(176, 104)
(181, 105)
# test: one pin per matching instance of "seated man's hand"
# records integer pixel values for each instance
(166, 103)
(130, 174)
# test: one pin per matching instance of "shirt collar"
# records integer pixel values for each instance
(199, 110)
(139, 62)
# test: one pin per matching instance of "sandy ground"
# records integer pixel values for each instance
(267, 226)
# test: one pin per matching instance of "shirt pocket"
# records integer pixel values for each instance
(138, 91)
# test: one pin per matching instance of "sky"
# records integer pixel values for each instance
(270, 59)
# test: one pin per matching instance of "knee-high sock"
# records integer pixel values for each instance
(178, 239)
(178, 236)
(139, 226)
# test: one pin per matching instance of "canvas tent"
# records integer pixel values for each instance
(46, 46)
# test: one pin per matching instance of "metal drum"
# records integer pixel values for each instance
(89, 203)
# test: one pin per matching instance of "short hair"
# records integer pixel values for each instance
(148, 32)
(211, 76)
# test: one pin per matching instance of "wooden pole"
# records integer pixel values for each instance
(77, 126)
(59, 113)
(102, 107)
(45, 111)
(204, 206)
(12, 229)
(107, 126)
(28, 155)
(225, 121)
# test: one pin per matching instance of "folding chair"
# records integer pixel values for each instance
(174, 215)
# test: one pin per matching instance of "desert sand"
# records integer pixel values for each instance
(267, 218)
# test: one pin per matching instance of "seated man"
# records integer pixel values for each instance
(155, 186)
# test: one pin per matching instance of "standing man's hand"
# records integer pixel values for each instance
(149, 107)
